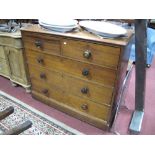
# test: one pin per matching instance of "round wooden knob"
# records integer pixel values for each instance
(87, 54)
(42, 75)
(84, 90)
(38, 43)
(85, 72)
(84, 106)
(40, 60)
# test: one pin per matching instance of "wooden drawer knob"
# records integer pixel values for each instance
(45, 91)
(42, 75)
(84, 90)
(40, 60)
(87, 54)
(85, 72)
(38, 43)
(84, 106)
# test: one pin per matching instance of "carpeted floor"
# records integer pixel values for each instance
(124, 116)
(41, 123)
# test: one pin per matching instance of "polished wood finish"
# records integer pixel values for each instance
(96, 110)
(66, 82)
(100, 123)
(77, 72)
(42, 44)
(96, 73)
(97, 54)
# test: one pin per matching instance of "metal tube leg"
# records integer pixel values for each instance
(121, 98)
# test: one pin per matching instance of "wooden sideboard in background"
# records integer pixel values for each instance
(12, 64)
(77, 72)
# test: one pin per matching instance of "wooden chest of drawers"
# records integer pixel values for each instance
(78, 73)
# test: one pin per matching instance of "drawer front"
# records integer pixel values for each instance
(90, 52)
(82, 105)
(88, 107)
(77, 87)
(2, 52)
(85, 71)
(54, 79)
(4, 69)
(42, 44)
(46, 90)
(87, 90)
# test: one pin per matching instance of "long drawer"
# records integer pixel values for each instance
(91, 52)
(85, 71)
(78, 87)
(91, 91)
(80, 104)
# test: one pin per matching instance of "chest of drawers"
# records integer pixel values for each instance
(77, 73)
(12, 61)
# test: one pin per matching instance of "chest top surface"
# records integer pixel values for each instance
(81, 34)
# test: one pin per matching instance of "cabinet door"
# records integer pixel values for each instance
(2, 52)
(4, 67)
(17, 67)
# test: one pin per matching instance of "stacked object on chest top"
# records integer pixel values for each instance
(59, 25)
(101, 28)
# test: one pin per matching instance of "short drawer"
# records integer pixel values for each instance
(91, 52)
(52, 78)
(85, 71)
(77, 103)
(4, 69)
(42, 44)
